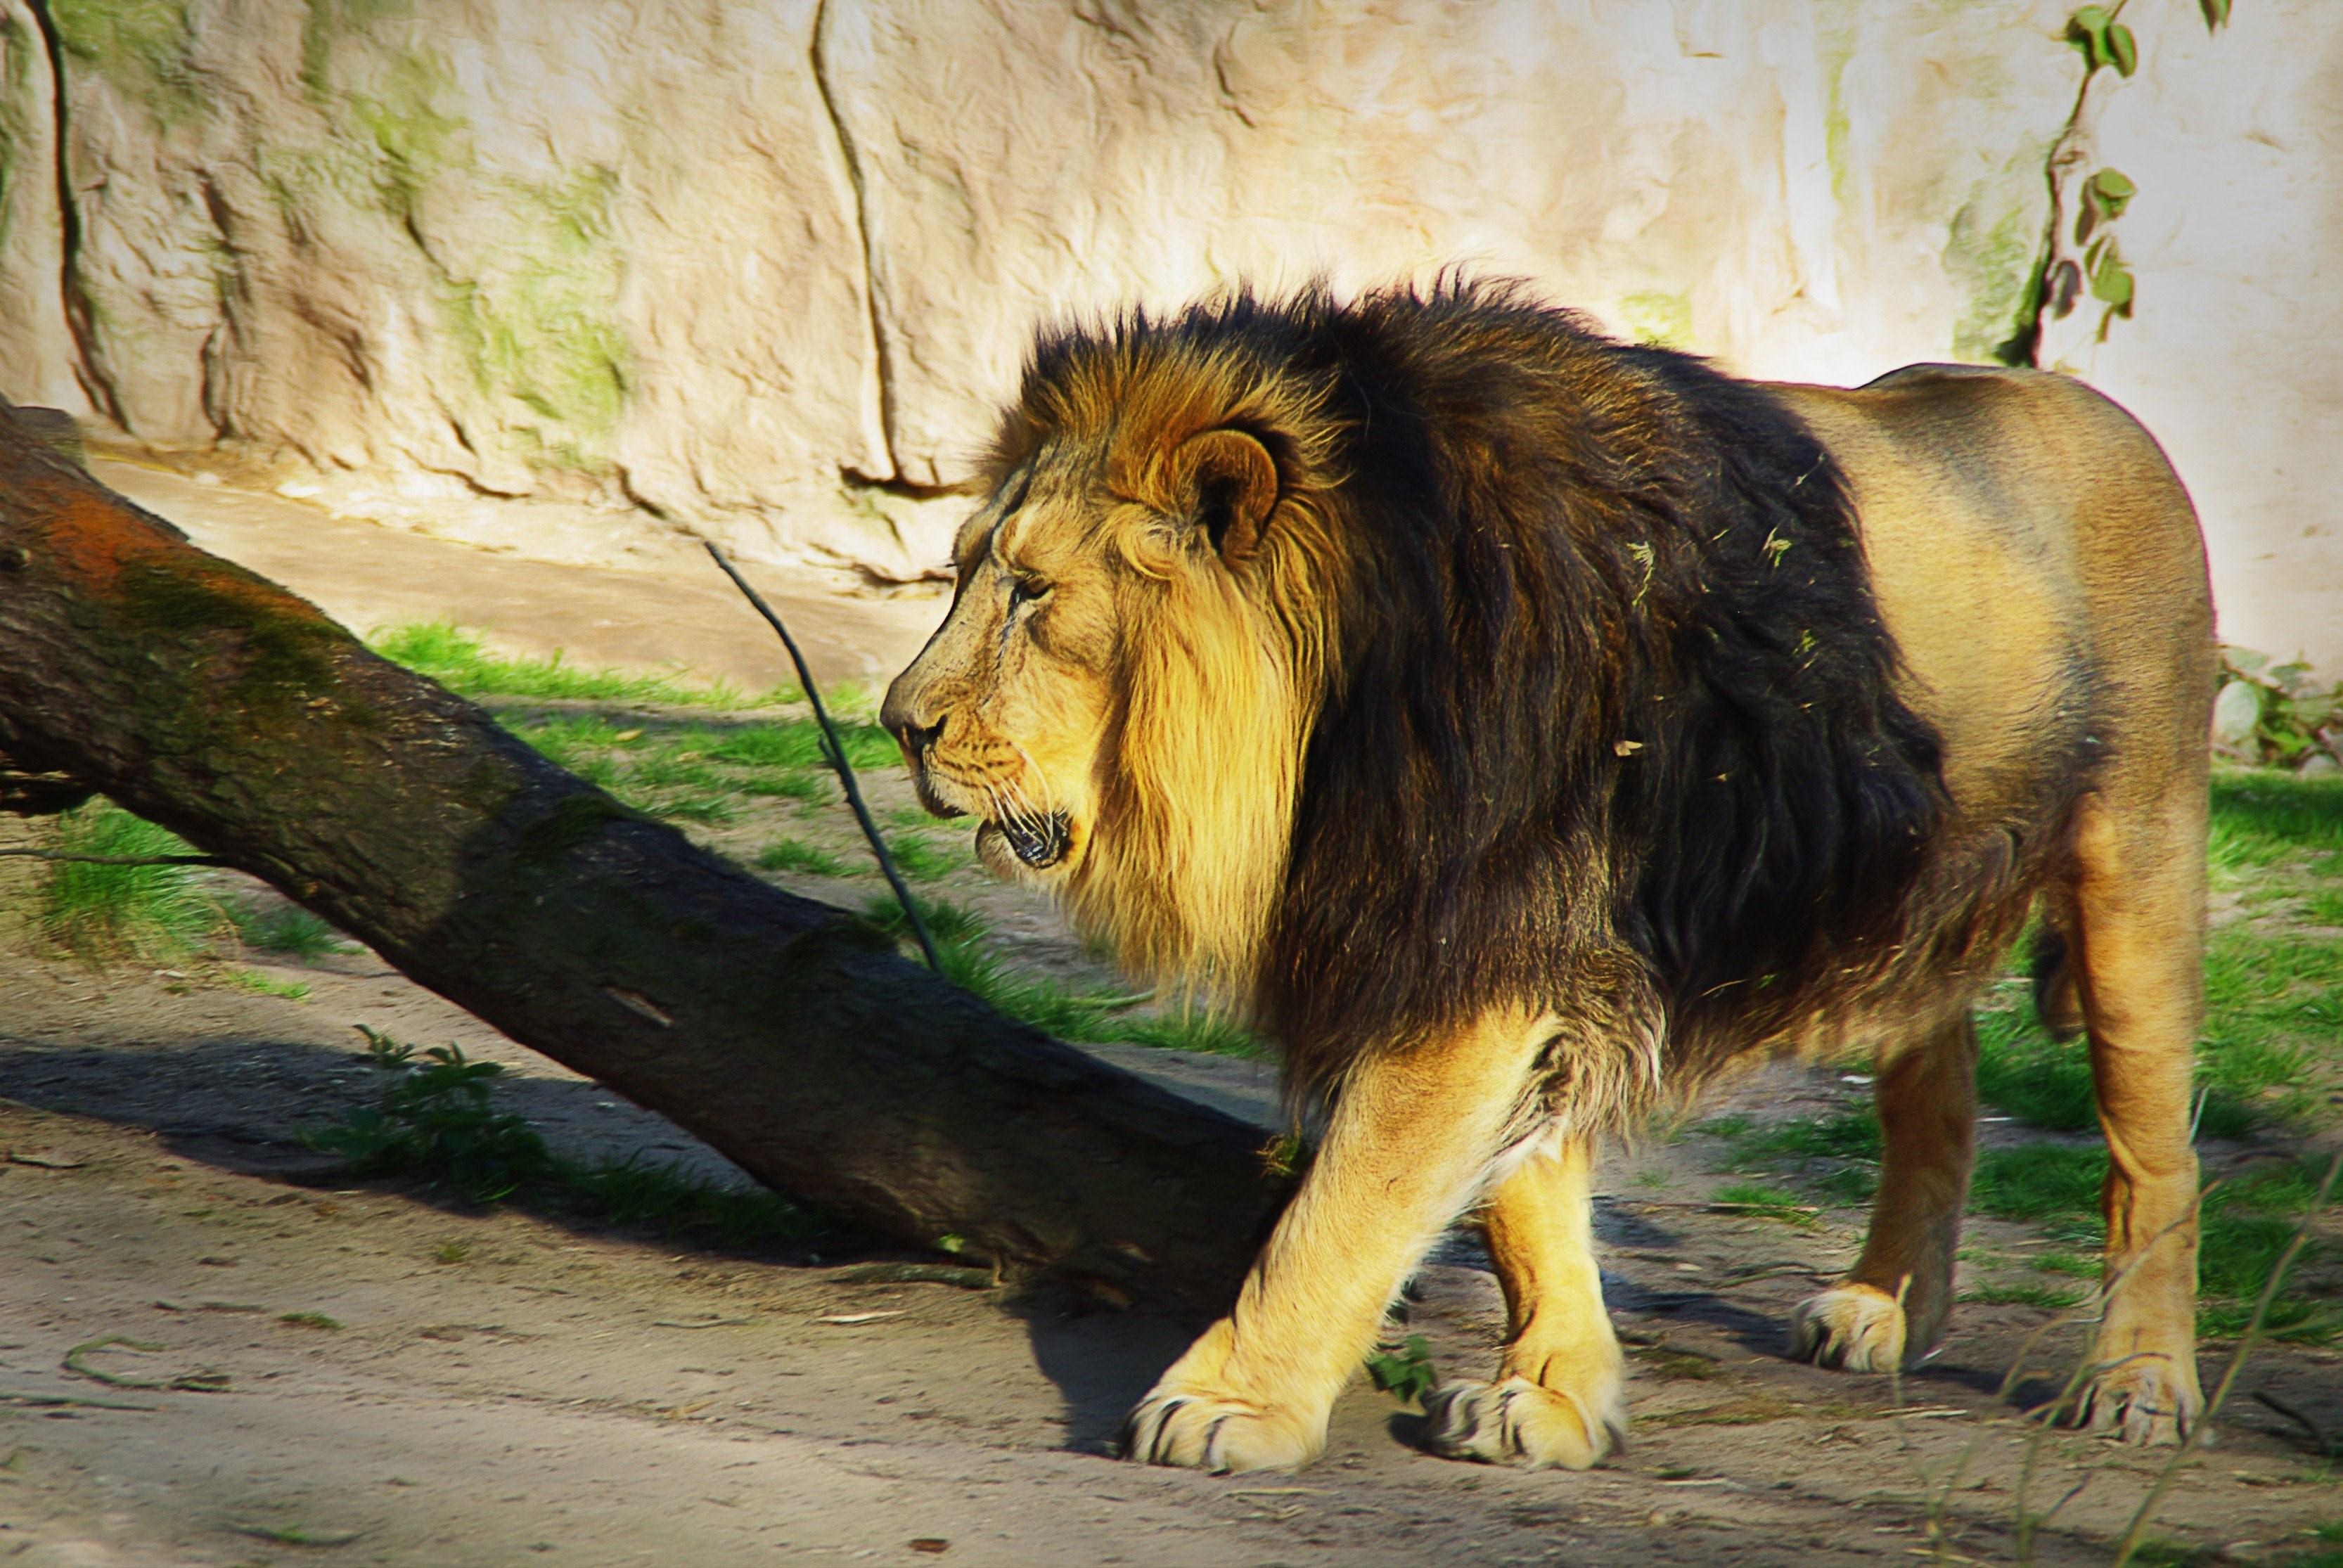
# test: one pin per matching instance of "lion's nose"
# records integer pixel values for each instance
(918, 738)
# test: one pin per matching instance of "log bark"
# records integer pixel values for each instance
(788, 1034)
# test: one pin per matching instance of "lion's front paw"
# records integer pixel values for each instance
(1206, 1430)
(1517, 1422)
(1855, 1327)
(2146, 1398)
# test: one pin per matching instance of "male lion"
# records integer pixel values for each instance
(1520, 726)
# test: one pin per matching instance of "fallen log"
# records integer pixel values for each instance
(788, 1034)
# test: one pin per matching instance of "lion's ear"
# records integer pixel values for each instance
(1233, 483)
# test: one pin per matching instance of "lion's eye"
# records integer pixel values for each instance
(1025, 590)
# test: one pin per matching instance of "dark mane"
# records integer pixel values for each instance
(1612, 685)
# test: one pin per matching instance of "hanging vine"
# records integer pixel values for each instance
(2081, 253)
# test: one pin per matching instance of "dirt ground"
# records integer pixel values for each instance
(505, 1388)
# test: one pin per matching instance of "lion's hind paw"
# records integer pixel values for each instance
(1203, 1430)
(2143, 1399)
(1517, 1422)
(1857, 1327)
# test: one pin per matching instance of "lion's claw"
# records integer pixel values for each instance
(1857, 1327)
(1203, 1430)
(1517, 1422)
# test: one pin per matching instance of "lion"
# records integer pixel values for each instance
(1521, 727)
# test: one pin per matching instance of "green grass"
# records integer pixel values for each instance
(436, 1122)
(1764, 1203)
(261, 985)
(2057, 1298)
(101, 912)
(285, 929)
(971, 964)
(2247, 1221)
(458, 659)
(308, 1321)
(1837, 1155)
(921, 858)
(2261, 816)
(793, 855)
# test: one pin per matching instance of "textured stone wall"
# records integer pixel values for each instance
(760, 269)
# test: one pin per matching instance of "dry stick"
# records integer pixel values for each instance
(2246, 1342)
(117, 860)
(838, 761)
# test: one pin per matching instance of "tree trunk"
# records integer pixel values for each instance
(788, 1034)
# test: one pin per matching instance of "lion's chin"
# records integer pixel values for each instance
(1025, 848)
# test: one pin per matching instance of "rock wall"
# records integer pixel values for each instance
(762, 269)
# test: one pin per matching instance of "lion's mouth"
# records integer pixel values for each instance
(1038, 843)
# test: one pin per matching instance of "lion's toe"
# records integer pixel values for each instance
(1856, 1328)
(1517, 1422)
(1204, 1431)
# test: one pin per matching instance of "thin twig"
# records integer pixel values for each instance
(836, 752)
(117, 860)
(2246, 1344)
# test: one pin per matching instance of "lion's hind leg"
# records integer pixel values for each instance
(1560, 1394)
(2140, 887)
(1891, 1308)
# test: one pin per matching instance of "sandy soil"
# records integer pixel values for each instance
(506, 1388)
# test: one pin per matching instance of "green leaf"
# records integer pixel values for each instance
(2217, 14)
(1405, 1373)
(2122, 49)
(2110, 190)
(2087, 31)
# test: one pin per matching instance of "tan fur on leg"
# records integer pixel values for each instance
(1891, 1308)
(1411, 1138)
(2142, 978)
(1559, 1396)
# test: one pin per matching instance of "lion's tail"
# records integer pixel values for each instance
(2057, 1000)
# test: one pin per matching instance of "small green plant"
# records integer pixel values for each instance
(451, 1252)
(308, 1321)
(105, 912)
(261, 985)
(2276, 713)
(1405, 1370)
(287, 928)
(434, 1121)
(2055, 1298)
(794, 855)
(921, 858)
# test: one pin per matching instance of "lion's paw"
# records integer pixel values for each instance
(1517, 1422)
(1205, 1431)
(1855, 1327)
(2146, 1399)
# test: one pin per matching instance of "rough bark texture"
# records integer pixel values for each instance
(784, 1032)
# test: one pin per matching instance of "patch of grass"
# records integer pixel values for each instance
(1839, 1155)
(2245, 1224)
(2260, 817)
(2057, 1298)
(308, 1321)
(1405, 1370)
(794, 855)
(434, 1121)
(101, 913)
(451, 1252)
(287, 929)
(921, 858)
(2074, 1265)
(261, 985)
(1195, 1028)
(1763, 1202)
(458, 659)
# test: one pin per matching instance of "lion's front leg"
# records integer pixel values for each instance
(1410, 1140)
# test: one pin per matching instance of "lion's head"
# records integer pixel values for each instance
(1124, 686)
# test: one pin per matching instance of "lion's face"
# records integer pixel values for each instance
(1003, 715)
(1114, 695)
